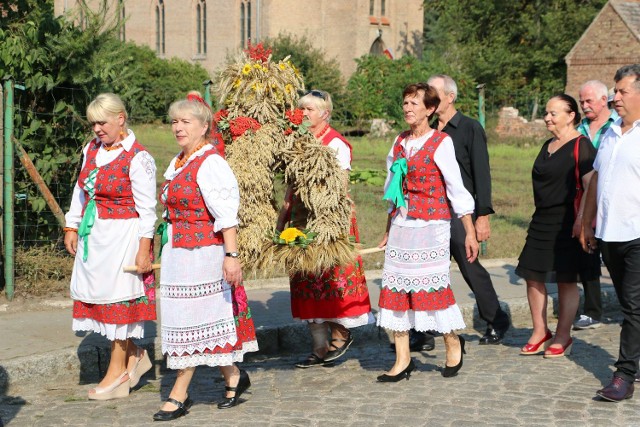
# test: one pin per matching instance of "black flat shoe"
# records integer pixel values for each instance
(243, 384)
(183, 409)
(338, 351)
(311, 361)
(384, 378)
(452, 371)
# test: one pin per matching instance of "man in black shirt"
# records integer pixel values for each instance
(470, 143)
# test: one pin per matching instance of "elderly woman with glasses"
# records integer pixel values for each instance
(337, 299)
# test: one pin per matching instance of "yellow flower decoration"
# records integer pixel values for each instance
(288, 88)
(282, 66)
(291, 234)
(256, 87)
(237, 83)
(246, 69)
(257, 66)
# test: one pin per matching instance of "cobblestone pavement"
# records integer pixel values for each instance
(495, 387)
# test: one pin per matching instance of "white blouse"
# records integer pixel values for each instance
(143, 186)
(343, 153)
(445, 158)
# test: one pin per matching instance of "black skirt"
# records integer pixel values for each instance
(550, 254)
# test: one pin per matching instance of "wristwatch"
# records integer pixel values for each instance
(232, 254)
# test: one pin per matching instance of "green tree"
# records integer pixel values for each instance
(515, 47)
(319, 71)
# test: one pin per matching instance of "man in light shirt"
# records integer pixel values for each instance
(613, 194)
(597, 120)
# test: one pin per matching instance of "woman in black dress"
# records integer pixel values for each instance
(552, 252)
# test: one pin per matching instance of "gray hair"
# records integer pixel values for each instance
(450, 85)
(319, 99)
(598, 87)
(629, 70)
(194, 105)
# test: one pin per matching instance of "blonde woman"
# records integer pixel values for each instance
(338, 299)
(109, 225)
(205, 316)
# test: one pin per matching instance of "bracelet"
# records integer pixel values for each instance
(75, 230)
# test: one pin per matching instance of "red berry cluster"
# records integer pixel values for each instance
(295, 116)
(240, 125)
(219, 115)
(258, 52)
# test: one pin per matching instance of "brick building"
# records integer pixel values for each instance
(206, 31)
(611, 41)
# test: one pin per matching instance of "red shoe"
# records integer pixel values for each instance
(536, 348)
(559, 352)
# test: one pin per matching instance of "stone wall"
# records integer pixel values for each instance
(510, 124)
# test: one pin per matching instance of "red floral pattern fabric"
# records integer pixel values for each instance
(125, 312)
(114, 197)
(416, 301)
(424, 182)
(192, 222)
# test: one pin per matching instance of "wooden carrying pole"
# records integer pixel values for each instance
(133, 268)
(42, 186)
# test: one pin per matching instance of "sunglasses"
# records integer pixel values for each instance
(317, 94)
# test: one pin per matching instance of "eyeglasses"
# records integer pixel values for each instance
(317, 94)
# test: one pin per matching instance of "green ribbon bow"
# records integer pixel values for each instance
(89, 216)
(163, 232)
(394, 192)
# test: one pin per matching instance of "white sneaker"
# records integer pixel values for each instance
(586, 322)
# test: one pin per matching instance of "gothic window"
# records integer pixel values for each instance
(383, 8)
(160, 28)
(245, 22)
(201, 27)
(371, 7)
(122, 15)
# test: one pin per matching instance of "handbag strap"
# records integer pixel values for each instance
(576, 155)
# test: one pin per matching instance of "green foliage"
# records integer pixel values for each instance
(375, 89)
(515, 47)
(156, 83)
(374, 177)
(319, 71)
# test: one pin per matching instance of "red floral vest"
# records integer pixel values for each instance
(424, 182)
(192, 221)
(114, 198)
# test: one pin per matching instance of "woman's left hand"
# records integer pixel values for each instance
(232, 270)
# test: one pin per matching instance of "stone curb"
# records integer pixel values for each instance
(88, 362)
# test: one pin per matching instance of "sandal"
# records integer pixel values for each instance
(338, 351)
(311, 361)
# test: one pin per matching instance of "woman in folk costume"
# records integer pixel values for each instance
(110, 225)
(424, 185)
(338, 299)
(205, 316)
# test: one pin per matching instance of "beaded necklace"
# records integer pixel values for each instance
(322, 132)
(111, 147)
(182, 159)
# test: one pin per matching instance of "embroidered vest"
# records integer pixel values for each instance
(113, 195)
(192, 221)
(424, 183)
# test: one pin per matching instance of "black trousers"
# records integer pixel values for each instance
(477, 278)
(592, 299)
(623, 261)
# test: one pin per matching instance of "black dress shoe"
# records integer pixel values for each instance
(493, 336)
(452, 371)
(617, 390)
(243, 384)
(183, 409)
(384, 378)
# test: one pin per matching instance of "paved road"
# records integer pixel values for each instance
(495, 387)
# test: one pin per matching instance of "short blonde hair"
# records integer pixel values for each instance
(195, 105)
(319, 99)
(104, 106)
